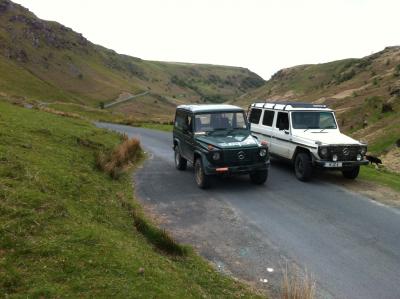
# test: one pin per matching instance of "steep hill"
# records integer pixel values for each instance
(46, 61)
(365, 93)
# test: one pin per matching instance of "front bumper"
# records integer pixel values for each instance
(210, 169)
(339, 164)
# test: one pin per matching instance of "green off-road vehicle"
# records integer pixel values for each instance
(216, 140)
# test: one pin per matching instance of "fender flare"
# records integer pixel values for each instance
(201, 155)
(177, 143)
(301, 149)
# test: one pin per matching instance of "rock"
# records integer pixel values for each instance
(141, 271)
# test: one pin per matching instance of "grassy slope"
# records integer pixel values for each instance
(63, 231)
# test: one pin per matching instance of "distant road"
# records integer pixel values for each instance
(349, 243)
(126, 98)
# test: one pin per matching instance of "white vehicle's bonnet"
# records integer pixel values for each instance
(325, 137)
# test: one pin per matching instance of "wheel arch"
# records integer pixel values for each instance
(197, 155)
(300, 149)
(177, 143)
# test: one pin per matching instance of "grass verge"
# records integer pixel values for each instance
(381, 176)
(68, 229)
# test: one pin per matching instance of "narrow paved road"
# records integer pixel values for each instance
(125, 99)
(349, 243)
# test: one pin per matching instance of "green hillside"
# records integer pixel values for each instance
(364, 92)
(46, 62)
(67, 229)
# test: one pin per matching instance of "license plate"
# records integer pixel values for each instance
(333, 164)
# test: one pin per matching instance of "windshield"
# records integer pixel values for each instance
(313, 120)
(220, 121)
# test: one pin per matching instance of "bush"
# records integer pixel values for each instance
(120, 159)
(387, 107)
(344, 76)
(397, 71)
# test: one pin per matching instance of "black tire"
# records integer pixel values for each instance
(202, 180)
(352, 173)
(303, 167)
(180, 162)
(259, 177)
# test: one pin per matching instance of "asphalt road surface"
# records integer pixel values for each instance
(349, 243)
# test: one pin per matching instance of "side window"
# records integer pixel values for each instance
(179, 119)
(255, 115)
(282, 122)
(268, 118)
(189, 123)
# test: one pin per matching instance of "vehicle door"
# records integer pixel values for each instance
(266, 130)
(188, 138)
(281, 141)
(178, 129)
(254, 118)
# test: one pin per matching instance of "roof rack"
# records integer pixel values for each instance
(295, 105)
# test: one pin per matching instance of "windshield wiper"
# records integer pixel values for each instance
(310, 128)
(237, 128)
(217, 130)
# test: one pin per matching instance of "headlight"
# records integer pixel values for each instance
(216, 156)
(323, 152)
(363, 150)
(263, 152)
(359, 157)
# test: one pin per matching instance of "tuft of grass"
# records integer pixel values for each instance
(118, 161)
(297, 286)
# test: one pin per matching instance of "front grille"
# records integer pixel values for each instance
(238, 157)
(344, 152)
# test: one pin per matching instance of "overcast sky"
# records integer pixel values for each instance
(261, 35)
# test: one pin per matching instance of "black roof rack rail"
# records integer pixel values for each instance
(294, 105)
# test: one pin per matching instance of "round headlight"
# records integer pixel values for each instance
(263, 152)
(323, 152)
(363, 150)
(334, 158)
(216, 156)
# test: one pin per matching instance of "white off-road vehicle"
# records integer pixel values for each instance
(308, 135)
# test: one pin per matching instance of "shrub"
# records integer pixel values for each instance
(397, 71)
(387, 107)
(120, 159)
(345, 76)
